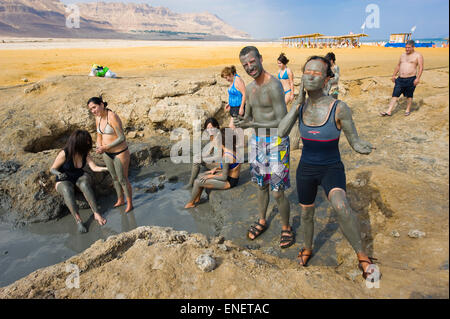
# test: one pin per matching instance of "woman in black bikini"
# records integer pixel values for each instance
(224, 177)
(68, 169)
(111, 143)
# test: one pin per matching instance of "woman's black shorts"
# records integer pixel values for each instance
(309, 177)
(234, 111)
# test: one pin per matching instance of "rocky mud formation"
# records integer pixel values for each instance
(38, 118)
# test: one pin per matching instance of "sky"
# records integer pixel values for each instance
(269, 19)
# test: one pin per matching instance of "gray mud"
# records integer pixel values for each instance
(227, 213)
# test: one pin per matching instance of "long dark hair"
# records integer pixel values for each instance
(283, 59)
(330, 56)
(97, 101)
(79, 142)
(212, 121)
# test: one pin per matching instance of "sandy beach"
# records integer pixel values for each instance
(36, 59)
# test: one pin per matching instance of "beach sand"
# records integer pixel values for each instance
(144, 58)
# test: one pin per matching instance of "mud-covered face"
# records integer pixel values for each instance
(315, 75)
(409, 49)
(96, 109)
(212, 131)
(252, 64)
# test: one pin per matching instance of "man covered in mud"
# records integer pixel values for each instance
(269, 153)
(321, 119)
(409, 70)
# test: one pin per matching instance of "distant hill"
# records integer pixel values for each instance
(47, 18)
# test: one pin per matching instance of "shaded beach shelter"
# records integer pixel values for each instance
(301, 41)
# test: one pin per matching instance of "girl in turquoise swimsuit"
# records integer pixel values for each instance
(236, 93)
(286, 77)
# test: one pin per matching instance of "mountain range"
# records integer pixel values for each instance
(47, 18)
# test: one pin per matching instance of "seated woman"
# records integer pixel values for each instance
(68, 168)
(211, 125)
(112, 144)
(225, 177)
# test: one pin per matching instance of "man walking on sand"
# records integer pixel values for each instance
(409, 70)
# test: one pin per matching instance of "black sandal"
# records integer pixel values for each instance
(255, 231)
(290, 239)
(365, 274)
(302, 254)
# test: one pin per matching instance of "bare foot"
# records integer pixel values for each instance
(190, 205)
(120, 202)
(101, 221)
(129, 208)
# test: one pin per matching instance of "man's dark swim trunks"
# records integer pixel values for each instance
(404, 86)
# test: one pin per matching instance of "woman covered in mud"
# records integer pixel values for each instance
(211, 126)
(332, 87)
(286, 78)
(224, 177)
(112, 144)
(236, 93)
(321, 120)
(68, 169)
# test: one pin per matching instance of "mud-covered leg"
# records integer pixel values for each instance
(283, 207)
(307, 225)
(66, 189)
(306, 232)
(194, 174)
(347, 219)
(263, 203)
(110, 165)
(121, 163)
(84, 185)
(287, 235)
(350, 227)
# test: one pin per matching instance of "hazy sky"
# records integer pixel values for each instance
(269, 19)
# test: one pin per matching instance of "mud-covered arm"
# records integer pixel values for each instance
(94, 167)
(117, 126)
(287, 123)
(335, 78)
(220, 177)
(345, 120)
(59, 161)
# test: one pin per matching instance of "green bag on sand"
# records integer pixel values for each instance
(100, 71)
